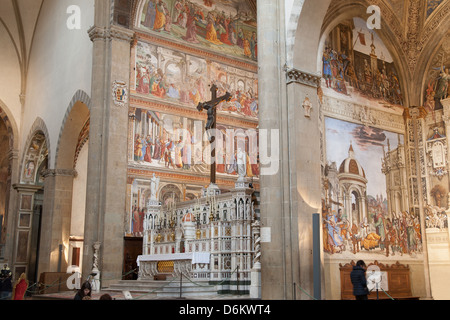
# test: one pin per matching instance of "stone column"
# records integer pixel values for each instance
(414, 147)
(56, 218)
(107, 162)
(304, 138)
(276, 254)
(11, 214)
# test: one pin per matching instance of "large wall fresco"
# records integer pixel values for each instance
(179, 78)
(227, 27)
(178, 147)
(366, 211)
(179, 144)
(358, 67)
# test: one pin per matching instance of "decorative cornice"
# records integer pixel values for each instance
(356, 113)
(302, 77)
(112, 33)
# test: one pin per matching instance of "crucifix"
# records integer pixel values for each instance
(211, 107)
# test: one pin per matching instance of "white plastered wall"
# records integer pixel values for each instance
(60, 65)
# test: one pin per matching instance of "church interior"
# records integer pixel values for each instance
(259, 148)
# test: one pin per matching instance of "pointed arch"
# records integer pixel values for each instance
(38, 130)
(11, 125)
(77, 114)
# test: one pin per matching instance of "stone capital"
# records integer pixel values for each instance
(112, 33)
(297, 76)
(59, 172)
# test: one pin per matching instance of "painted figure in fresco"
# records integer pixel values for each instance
(191, 32)
(160, 17)
(335, 241)
(241, 161)
(158, 85)
(247, 48)
(136, 220)
(169, 153)
(442, 84)
(157, 151)
(138, 148)
(430, 103)
(224, 30)
(380, 229)
(178, 154)
(254, 46)
(187, 151)
(150, 15)
(173, 92)
(327, 75)
(142, 80)
(168, 24)
(240, 38)
(179, 7)
(211, 32)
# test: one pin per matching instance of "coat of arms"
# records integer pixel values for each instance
(120, 93)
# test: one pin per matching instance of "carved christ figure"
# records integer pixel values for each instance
(211, 108)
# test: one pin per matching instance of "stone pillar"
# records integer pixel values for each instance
(12, 207)
(276, 254)
(414, 146)
(108, 145)
(305, 174)
(56, 218)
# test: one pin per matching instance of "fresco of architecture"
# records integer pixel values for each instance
(225, 27)
(179, 144)
(365, 207)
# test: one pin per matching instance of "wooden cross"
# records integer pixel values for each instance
(211, 108)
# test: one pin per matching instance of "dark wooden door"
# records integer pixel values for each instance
(132, 249)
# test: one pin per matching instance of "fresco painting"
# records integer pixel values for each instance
(358, 67)
(227, 27)
(364, 211)
(183, 79)
(180, 144)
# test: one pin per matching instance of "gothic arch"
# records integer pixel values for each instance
(11, 125)
(37, 129)
(76, 116)
(304, 30)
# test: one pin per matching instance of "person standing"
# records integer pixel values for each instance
(359, 281)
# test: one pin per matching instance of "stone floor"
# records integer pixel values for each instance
(69, 295)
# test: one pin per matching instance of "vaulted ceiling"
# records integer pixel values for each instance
(18, 19)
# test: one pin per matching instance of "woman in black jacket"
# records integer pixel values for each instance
(85, 291)
(359, 281)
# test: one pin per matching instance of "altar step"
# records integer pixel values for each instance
(163, 288)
